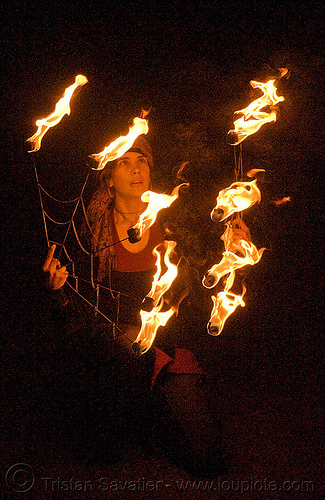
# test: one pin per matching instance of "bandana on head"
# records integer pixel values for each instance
(142, 146)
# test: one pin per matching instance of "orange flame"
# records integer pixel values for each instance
(237, 254)
(237, 197)
(282, 201)
(156, 202)
(253, 116)
(62, 108)
(117, 148)
(151, 320)
(252, 173)
(224, 304)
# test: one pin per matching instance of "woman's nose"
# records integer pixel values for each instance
(135, 168)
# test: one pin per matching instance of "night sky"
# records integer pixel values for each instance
(191, 62)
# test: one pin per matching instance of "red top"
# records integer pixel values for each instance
(126, 261)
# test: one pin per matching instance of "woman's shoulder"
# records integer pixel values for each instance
(99, 204)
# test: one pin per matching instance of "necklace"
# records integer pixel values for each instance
(128, 213)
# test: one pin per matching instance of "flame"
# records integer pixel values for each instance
(224, 304)
(151, 320)
(237, 197)
(252, 173)
(117, 148)
(282, 201)
(237, 254)
(62, 108)
(156, 202)
(253, 117)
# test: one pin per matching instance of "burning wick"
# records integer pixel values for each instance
(156, 202)
(237, 197)
(253, 117)
(232, 138)
(117, 148)
(152, 314)
(223, 306)
(136, 348)
(134, 235)
(62, 108)
(237, 254)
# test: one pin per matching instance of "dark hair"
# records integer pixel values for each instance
(99, 213)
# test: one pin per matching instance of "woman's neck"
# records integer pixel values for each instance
(131, 207)
(126, 214)
(128, 210)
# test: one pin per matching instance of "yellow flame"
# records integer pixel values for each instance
(252, 173)
(282, 201)
(237, 197)
(224, 304)
(62, 108)
(253, 117)
(156, 317)
(156, 202)
(117, 148)
(237, 254)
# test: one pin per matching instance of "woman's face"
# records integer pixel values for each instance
(131, 176)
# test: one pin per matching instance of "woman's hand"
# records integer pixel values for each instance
(240, 230)
(57, 274)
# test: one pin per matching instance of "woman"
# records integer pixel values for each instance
(171, 372)
(121, 266)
